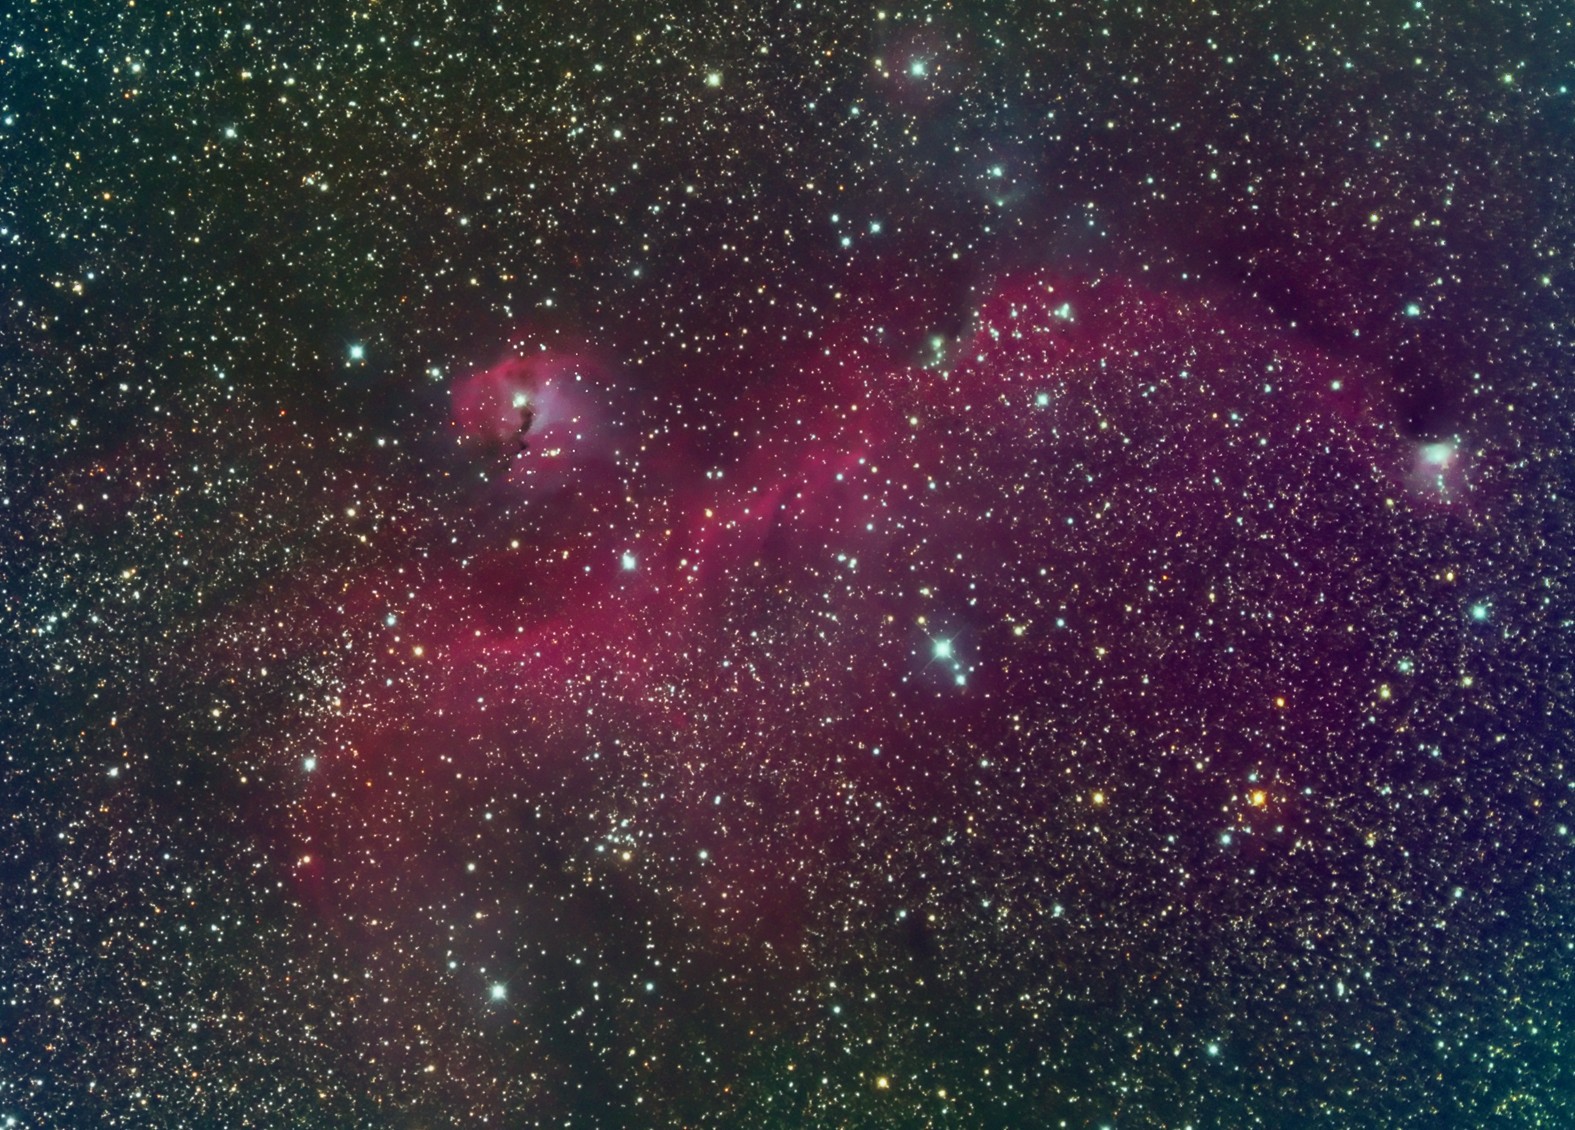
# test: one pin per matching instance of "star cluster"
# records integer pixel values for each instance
(786, 565)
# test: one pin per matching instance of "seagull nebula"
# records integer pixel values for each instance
(827, 566)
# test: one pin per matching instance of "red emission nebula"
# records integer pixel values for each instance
(828, 610)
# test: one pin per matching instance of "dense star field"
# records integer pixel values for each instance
(752, 565)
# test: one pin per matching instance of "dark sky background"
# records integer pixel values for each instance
(786, 565)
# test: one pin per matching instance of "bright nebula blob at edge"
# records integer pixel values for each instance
(542, 405)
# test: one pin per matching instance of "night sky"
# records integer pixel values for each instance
(765, 564)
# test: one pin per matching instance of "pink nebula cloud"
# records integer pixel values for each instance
(543, 405)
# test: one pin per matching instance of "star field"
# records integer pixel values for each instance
(786, 565)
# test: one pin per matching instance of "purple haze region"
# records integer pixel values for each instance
(1106, 525)
(786, 566)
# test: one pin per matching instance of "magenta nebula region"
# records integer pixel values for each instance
(1085, 439)
(540, 404)
(574, 565)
